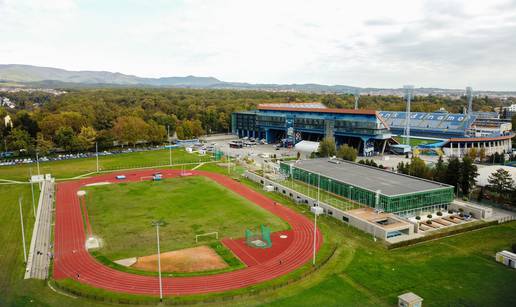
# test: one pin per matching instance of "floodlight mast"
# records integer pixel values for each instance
(157, 224)
(469, 97)
(356, 94)
(409, 91)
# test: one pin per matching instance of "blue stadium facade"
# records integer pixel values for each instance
(362, 129)
(371, 131)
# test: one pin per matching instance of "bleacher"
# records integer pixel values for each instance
(438, 124)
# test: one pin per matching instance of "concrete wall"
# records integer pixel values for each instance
(478, 212)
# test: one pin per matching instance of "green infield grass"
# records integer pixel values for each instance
(122, 214)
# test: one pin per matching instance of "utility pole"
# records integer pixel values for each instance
(97, 154)
(169, 146)
(22, 229)
(32, 190)
(157, 224)
(37, 162)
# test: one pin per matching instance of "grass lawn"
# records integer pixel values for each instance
(76, 167)
(121, 214)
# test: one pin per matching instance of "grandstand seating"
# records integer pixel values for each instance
(429, 124)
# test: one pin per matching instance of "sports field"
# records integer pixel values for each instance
(455, 271)
(122, 214)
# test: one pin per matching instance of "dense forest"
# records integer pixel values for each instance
(76, 120)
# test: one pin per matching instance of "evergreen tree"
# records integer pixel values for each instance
(452, 174)
(468, 173)
(327, 147)
(501, 181)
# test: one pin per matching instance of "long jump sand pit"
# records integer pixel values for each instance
(195, 259)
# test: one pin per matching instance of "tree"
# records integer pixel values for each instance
(482, 154)
(348, 153)
(472, 153)
(439, 172)
(86, 138)
(452, 174)
(130, 129)
(501, 181)
(19, 139)
(513, 121)
(156, 133)
(327, 147)
(418, 168)
(43, 146)
(468, 173)
(66, 138)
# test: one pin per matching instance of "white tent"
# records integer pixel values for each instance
(485, 171)
(305, 148)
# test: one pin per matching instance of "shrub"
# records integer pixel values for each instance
(418, 217)
(460, 209)
(429, 222)
(439, 213)
(450, 212)
(429, 216)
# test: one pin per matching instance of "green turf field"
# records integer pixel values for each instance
(122, 214)
(454, 271)
(415, 141)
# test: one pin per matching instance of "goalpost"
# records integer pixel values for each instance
(216, 233)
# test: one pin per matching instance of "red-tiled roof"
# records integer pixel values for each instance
(318, 110)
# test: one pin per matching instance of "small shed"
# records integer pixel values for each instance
(409, 299)
(507, 258)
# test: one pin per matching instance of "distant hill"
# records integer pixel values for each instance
(29, 73)
(48, 77)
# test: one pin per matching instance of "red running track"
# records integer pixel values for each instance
(71, 257)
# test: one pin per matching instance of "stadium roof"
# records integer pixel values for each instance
(285, 107)
(368, 178)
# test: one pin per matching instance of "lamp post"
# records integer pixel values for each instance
(22, 230)
(169, 146)
(157, 224)
(97, 155)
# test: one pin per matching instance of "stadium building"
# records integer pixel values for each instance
(370, 131)
(291, 123)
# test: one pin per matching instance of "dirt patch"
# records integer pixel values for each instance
(196, 259)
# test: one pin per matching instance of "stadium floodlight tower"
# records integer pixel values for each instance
(469, 97)
(356, 94)
(409, 91)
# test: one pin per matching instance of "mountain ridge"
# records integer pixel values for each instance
(58, 77)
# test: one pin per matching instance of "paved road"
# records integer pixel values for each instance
(40, 250)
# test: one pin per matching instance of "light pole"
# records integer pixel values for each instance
(169, 146)
(37, 162)
(157, 224)
(32, 191)
(22, 229)
(97, 155)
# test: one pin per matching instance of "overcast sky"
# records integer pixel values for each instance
(364, 43)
